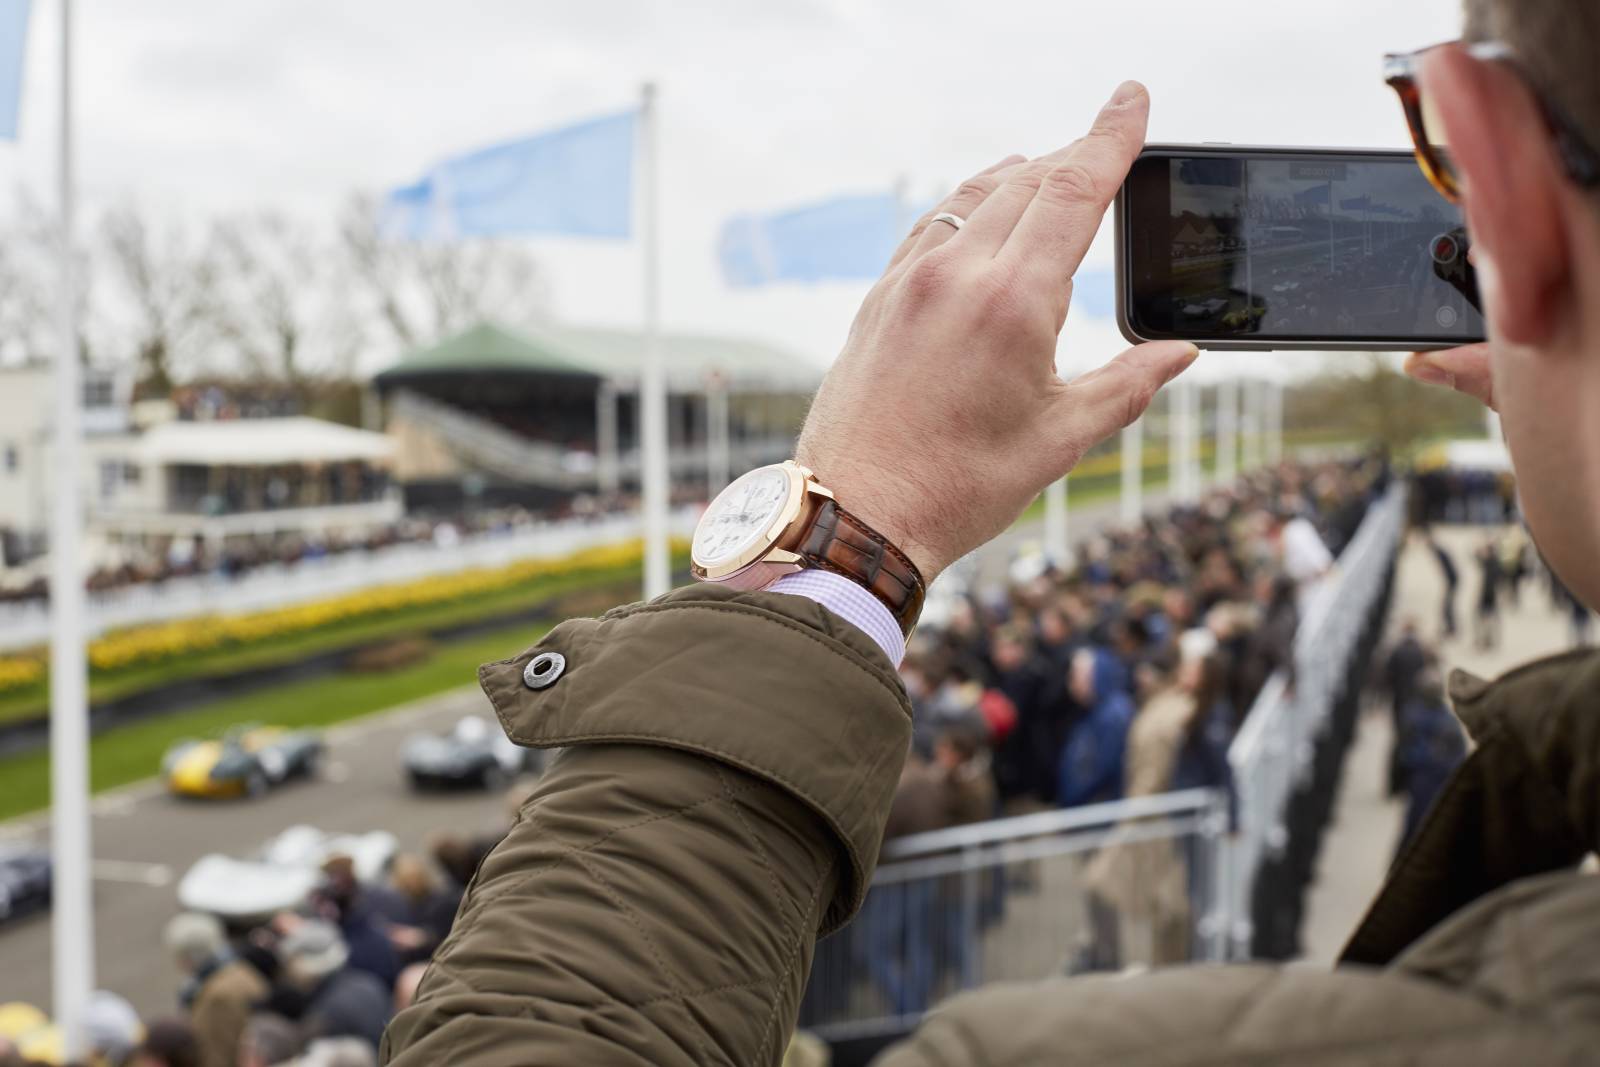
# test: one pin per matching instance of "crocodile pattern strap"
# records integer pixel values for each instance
(837, 541)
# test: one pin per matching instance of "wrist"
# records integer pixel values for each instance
(879, 499)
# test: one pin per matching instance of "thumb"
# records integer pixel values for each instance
(1466, 370)
(1096, 405)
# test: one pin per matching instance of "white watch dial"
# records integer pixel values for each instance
(740, 516)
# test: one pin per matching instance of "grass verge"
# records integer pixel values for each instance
(33, 701)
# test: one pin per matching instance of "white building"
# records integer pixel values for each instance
(175, 481)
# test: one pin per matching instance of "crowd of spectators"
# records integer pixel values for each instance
(1046, 681)
(1126, 674)
(309, 988)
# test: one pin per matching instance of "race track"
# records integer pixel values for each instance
(144, 840)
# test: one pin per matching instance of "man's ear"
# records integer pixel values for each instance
(1512, 181)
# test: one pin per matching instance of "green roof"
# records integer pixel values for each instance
(486, 347)
(610, 354)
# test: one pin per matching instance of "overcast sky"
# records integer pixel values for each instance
(199, 106)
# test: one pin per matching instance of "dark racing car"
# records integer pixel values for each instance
(25, 880)
(472, 755)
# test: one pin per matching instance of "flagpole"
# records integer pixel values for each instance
(1274, 416)
(652, 379)
(1227, 432)
(1250, 424)
(1179, 438)
(71, 917)
(1055, 523)
(1197, 420)
(1132, 472)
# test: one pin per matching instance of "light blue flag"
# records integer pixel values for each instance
(576, 181)
(13, 45)
(846, 238)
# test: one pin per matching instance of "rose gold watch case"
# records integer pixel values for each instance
(764, 562)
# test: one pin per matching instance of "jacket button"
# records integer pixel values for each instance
(543, 670)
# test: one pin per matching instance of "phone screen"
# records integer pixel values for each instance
(1257, 245)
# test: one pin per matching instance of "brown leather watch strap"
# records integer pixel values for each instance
(838, 541)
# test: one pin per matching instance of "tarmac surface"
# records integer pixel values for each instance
(1366, 828)
(144, 841)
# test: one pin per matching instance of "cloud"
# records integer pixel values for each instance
(199, 107)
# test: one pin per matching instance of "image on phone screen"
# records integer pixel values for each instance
(1284, 247)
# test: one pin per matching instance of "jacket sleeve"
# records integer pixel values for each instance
(728, 762)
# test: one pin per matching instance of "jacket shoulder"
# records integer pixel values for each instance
(1209, 1016)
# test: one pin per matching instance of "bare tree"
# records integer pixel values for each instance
(24, 297)
(423, 291)
(283, 305)
(163, 288)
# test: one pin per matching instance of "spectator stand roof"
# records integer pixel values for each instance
(262, 442)
(609, 355)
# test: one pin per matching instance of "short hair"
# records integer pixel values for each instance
(313, 950)
(1554, 43)
(194, 938)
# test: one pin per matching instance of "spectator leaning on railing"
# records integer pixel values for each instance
(731, 755)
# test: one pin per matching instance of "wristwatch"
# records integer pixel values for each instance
(779, 519)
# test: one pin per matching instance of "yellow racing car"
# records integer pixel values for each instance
(246, 762)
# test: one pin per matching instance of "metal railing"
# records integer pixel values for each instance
(1025, 898)
(27, 623)
(1274, 754)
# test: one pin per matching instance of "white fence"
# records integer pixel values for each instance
(1273, 753)
(26, 624)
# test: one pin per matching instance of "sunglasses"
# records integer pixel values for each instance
(1581, 160)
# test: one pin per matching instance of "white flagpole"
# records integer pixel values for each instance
(1179, 439)
(718, 463)
(71, 917)
(1250, 428)
(1227, 432)
(1056, 549)
(1195, 424)
(1274, 405)
(652, 379)
(1132, 472)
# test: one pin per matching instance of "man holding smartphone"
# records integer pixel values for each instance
(732, 748)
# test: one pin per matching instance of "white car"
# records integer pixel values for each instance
(281, 874)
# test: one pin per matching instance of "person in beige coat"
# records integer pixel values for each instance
(1139, 890)
(221, 991)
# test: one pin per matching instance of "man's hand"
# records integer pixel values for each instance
(943, 417)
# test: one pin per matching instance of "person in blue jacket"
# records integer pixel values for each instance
(1091, 761)
(1432, 746)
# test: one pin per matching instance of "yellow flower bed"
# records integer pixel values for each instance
(18, 671)
(184, 637)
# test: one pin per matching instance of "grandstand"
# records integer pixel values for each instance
(540, 416)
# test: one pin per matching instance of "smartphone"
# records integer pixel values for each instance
(1291, 248)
